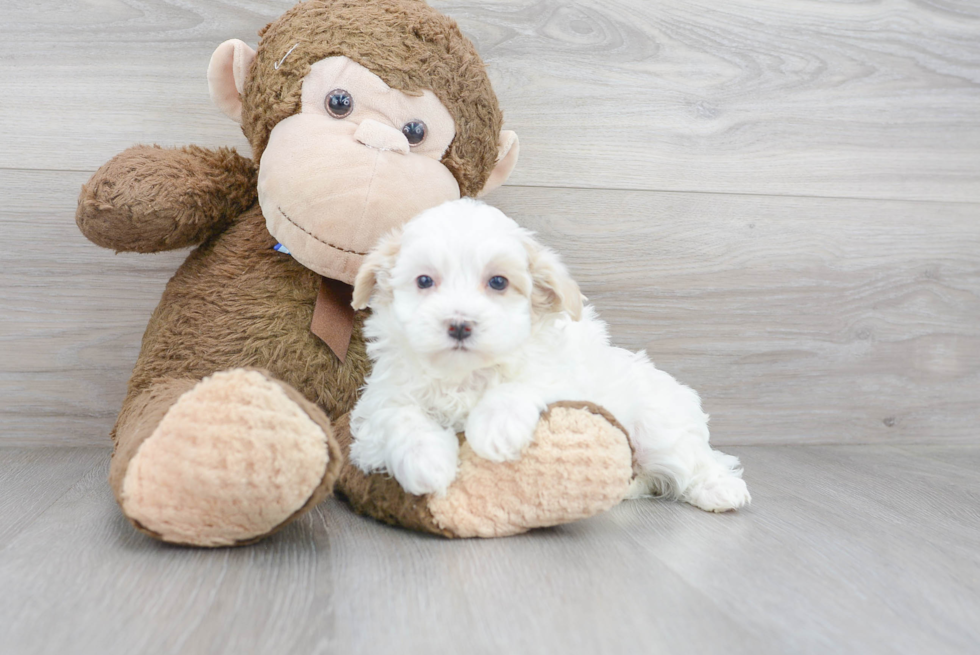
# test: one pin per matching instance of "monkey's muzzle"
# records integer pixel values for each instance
(330, 189)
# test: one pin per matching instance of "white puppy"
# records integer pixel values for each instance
(477, 327)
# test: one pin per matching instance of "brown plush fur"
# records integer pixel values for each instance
(235, 302)
(406, 43)
(150, 199)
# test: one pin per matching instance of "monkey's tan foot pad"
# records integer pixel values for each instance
(235, 458)
(579, 464)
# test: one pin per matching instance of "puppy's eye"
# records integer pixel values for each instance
(424, 281)
(498, 283)
(339, 103)
(414, 132)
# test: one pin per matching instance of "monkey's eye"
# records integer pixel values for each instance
(497, 283)
(414, 132)
(339, 103)
(424, 282)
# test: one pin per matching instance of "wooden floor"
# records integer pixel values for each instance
(778, 199)
(846, 549)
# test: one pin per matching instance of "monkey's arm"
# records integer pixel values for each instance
(148, 198)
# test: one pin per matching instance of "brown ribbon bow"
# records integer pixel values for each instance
(333, 316)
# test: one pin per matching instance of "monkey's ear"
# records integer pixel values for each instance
(508, 148)
(226, 76)
(375, 272)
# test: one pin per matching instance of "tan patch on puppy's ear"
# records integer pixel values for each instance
(375, 272)
(553, 290)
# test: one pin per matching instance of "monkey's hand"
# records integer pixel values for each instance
(148, 198)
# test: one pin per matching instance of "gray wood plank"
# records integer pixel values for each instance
(846, 549)
(963, 461)
(876, 100)
(337, 583)
(798, 319)
(32, 479)
(71, 315)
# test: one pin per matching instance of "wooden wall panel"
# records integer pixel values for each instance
(701, 166)
(71, 315)
(798, 319)
(878, 100)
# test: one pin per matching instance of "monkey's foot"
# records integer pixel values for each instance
(579, 464)
(233, 459)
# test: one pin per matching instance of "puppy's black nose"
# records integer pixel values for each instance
(460, 330)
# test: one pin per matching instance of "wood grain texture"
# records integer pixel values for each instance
(878, 100)
(31, 480)
(798, 319)
(846, 549)
(71, 315)
(692, 161)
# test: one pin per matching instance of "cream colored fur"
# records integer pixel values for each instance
(497, 500)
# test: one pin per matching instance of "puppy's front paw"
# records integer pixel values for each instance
(427, 465)
(719, 494)
(498, 431)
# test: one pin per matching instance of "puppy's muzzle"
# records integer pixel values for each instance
(460, 330)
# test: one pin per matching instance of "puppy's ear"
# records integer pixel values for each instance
(375, 272)
(553, 290)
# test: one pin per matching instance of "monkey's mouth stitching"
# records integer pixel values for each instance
(330, 245)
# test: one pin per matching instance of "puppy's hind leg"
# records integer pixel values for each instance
(691, 471)
(671, 441)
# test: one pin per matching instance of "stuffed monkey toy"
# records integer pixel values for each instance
(360, 114)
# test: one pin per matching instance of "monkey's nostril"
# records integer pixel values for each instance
(460, 330)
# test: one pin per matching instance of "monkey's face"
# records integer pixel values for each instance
(358, 160)
(345, 157)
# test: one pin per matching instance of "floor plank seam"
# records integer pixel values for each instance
(745, 194)
(47, 170)
(925, 201)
